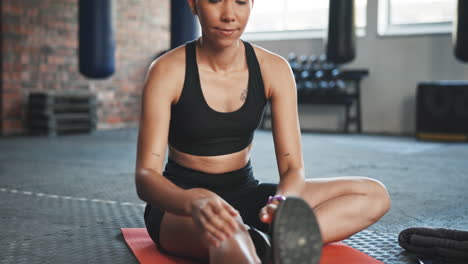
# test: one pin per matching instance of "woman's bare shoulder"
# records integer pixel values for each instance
(265, 56)
(270, 62)
(171, 62)
(167, 72)
(272, 66)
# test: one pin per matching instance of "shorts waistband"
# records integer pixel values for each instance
(189, 178)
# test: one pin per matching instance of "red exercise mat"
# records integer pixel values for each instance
(147, 253)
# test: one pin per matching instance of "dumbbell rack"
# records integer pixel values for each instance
(349, 97)
(55, 114)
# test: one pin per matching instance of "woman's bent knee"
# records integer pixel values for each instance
(379, 198)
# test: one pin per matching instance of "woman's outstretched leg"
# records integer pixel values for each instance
(180, 236)
(237, 249)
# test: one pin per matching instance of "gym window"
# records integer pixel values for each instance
(295, 19)
(412, 17)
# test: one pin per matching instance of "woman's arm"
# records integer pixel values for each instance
(160, 90)
(281, 87)
(285, 126)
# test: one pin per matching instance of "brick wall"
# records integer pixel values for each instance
(40, 53)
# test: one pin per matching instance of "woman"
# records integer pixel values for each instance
(205, 99)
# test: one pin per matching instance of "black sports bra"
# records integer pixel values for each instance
(197, 129)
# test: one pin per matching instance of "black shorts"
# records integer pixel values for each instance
(239, 188)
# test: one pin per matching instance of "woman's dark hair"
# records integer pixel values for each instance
(160, 54)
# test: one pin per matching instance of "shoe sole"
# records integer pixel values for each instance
(296, 234)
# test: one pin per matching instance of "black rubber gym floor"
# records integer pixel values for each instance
(63, 199)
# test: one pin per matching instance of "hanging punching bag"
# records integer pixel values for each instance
(341, 47)
(96, 38)
(183, 23)
(460, 32)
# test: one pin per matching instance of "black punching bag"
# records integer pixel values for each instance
(183, 23)
(341, 39)
(96, 38)
(461, 31)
